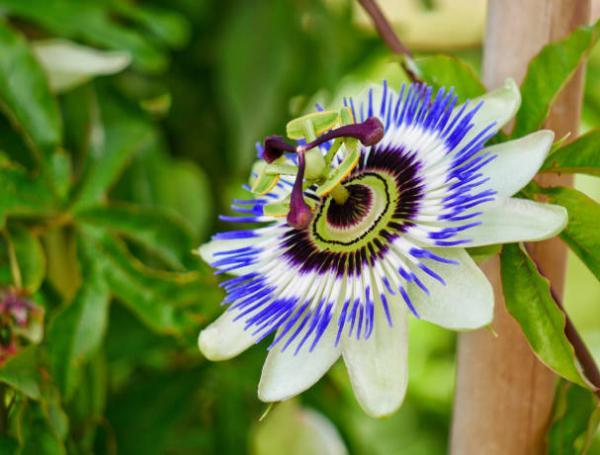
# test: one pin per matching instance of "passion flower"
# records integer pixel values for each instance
(339, 263)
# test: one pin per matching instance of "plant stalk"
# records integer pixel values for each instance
(504, 395)
(340, 194)
(389, 37)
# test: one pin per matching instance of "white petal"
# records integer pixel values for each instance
(378, 366)
(69, 64)
(208, 250)
(286, 374)
(517, 161)
(225, 338)
(465, 302)
(499, 106)
(508, 220)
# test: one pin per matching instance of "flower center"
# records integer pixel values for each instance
(351, 212)
(368, 208)
(384, 195)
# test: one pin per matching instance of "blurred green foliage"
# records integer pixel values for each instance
(105, 188)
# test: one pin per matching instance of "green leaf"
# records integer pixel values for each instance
(86, 408)
(529, 301)
(447, 71)
(575, 420)
(24, 94)
(548, 73)
(22, 195)
(119, 133)
(8, 445)
(76, 333)
(166, 302)
(13, 146)
(155, 229)
(170, 27)
(582, 233)
(39, 436)
(30, 258)
(21, 372)
(582, 156)
(182, 186)
(59, 171)
(151, 432)
(92, 22)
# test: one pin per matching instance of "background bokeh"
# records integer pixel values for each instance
(209, 79)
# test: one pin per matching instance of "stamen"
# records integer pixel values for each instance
(369, 132)
(300, 214)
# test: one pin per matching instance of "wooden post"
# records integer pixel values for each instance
(504, 395)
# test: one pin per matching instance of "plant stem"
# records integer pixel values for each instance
(3, 410)
(387, 34)
(14, 263)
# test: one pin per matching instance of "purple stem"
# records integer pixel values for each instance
(299, 215)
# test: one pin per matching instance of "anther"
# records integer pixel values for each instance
(274, 148)
(369, 132)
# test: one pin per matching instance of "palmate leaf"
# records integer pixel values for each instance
(89, 402)
(155, 179)
(22, 373)
(167, 302)
(22, 194)
(547, 74)
(529, 301)
(447, 71)
(576, 419)
(158, 231)
(76, 332)
(40, 436)
(119, 133)
(24, 94)
(582, 156)
(582, 233)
